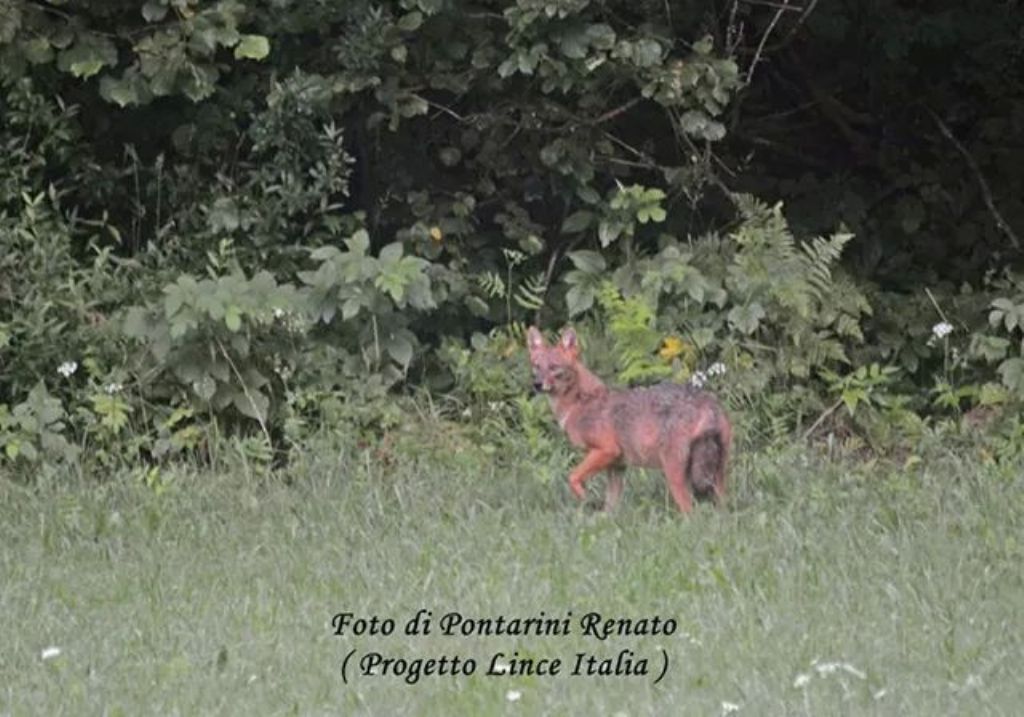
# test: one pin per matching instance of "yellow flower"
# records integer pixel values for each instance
(435, 233)
(671, 347)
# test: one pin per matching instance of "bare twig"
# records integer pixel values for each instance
(613, 113)
(986, 192)
(710, 173)
(248, 395)
(732, 32)
(445, 110)
(821, 419)
(764, 38)
(631, 149)
(784, 5)
(548, 274)
(942, 315)
(788, 38)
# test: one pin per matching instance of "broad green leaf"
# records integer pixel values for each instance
(588, 194)
(650, 213)
(410, 21)
(507, 68)
(350, 309)
(578, 299)
(391, 253)
(233, 318)
(990, 348)
(136, 323)
(1011, 372)
(609, 230)
(359, 243)
(252, 403)
(393, 283)
(746, 319)
(992, 394)
(477, 306)
(601, 36)
(412, 105)
(37, 50)
(577, 221)
(121, 92)
(87, 56)
(252, 47)
(154, 10)
(574, 45)
(223, 216)
(647, 53)
(28, 450)
(704, 46)
(400, 349)
(587, 261)
(205, 387)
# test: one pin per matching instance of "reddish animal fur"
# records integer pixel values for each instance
(680, 429)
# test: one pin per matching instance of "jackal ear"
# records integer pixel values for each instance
(534, 338)
(569, 341)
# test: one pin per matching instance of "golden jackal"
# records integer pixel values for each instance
(680, 429)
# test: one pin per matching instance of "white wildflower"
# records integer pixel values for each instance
(50, 652)
(828, 668)
(879, 694)
(801, 680)
(716, 369)
(67, 368)
(942, 329)
(278, 313)
(729, 707)
(691, 639)
(698, 379)
(513, 695)
(112, 388)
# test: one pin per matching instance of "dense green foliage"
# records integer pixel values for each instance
(253, 219)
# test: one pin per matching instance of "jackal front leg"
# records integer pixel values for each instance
(593, 463)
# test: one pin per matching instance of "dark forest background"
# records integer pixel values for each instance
(261, 218)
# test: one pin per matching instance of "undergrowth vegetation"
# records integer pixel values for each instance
(212, 227)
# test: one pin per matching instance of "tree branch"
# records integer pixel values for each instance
(986, 192)
(764, 38)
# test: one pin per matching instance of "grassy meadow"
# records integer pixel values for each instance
(824, 588)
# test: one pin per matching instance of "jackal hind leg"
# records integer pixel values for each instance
(613, 489)
(674, 467)
(725, 445)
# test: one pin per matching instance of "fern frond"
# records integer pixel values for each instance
(492, 284)
(634, 338)
(530, 293)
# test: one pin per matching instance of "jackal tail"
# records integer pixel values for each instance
(706, 469)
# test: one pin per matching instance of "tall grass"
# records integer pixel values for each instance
(823, 587)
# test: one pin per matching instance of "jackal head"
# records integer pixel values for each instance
(555, 368)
